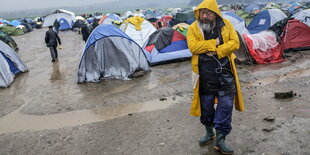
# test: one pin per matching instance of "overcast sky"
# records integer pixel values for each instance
(9, 5)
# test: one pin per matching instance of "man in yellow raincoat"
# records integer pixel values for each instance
(212, 41)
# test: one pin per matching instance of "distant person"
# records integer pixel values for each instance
(56, 25)
(95, 23)
(52, 40)
(85, 32)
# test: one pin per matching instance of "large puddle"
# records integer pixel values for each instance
(16, 121)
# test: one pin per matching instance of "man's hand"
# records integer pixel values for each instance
(210, 54)
(217, 41)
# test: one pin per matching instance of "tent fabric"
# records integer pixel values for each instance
(78, 24)
(238, 22)
(8, 40)
(264, 47)
(164, 21)
(252, 7)
(64, 25)
(15, 23)
(185, 17)
(12, 31)
(303, 16)
(110, 19)
(10, 63)
(177, 50)
(242, 54)
(296, 36)
(161, 38)
(265, 19)
(57, 15)
(139, 36)
(182, 28)
(110, 53)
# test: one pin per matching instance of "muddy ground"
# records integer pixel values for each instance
(45, 111)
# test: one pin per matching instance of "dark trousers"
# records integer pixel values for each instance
(220, 117)
(54, 53)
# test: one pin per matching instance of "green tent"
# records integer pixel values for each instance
(246, 16)
(12, 31)
(8, 40)
(183, 17)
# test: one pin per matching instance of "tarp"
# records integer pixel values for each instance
(264, 47)
(10, 65)
(110, 53)
(265, 19)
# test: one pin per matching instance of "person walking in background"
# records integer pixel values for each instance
(52, 40)
(212, 41)
(56, 25)
(85, 32)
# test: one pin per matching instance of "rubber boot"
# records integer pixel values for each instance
(220, 143)
(207, 139)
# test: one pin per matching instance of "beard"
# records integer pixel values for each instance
(207, 26)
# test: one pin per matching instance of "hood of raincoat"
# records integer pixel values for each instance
(210, 5)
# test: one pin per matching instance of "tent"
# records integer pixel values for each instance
(58, 14)
(138, 29)
(265, 19)
(110, 53)
(78, 24)
(245, 16)
(238, 23)
(303, 16)
(163, 21)
(185, 17)
(10, 65)
(64, 24)
(12, 31)
(8, 40)
(182, 28)
(110, 19)
(15, 23)
(252, 8)
(296, 36)
(166, 45)
(28, 28)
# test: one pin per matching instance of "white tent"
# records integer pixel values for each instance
(139, 36)
(58, 14)
(303, 16)
(10, 65)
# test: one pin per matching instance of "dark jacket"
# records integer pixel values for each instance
(85, 32)
(51, 38)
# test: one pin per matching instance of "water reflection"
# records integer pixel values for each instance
(56, 74)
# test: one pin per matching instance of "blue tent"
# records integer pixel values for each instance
(265, 19)
(5, 21)
(90, 20)
(64, 25)
(110, 53)
(15, 23)
(252, 7)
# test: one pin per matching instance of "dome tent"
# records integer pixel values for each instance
(166, 45)
(10, 65)
(110, 53)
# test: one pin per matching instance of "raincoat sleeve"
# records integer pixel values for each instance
(229, 46)
(199, 46)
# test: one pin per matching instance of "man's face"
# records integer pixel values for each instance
(206, 15)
